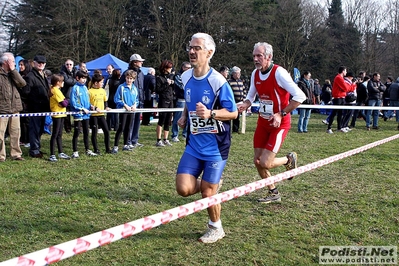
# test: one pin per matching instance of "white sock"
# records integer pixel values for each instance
(217, 224)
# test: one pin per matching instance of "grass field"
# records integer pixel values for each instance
(354, 201)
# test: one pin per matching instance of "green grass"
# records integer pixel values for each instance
(353, 201)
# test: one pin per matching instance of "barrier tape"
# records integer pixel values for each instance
(142, 110)
(157, 110)
(349, 107)
(83, 244)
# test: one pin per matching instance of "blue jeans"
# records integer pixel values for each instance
(176, 117)
(134, 130)
(395, 104)
(304, 115)
(375, 113)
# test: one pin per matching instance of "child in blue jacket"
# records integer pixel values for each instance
(126, 97)
(80, 102)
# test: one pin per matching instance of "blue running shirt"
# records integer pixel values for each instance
(213, 91)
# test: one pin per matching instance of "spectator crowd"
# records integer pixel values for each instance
(34, 89)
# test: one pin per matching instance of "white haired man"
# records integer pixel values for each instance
(10, 103)
(209, 107)
(237, 85)
(274, 86)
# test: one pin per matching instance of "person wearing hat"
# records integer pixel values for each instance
(10, 103)
(37, 88)
(136, 62)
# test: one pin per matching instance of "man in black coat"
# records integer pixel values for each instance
(37, 89)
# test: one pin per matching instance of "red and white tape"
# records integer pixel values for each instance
(68, 249)
(157, 110)
(142, 110)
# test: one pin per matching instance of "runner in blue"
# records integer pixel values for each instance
(209, 108)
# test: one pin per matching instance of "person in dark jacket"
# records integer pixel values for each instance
(149, 88)
(37, 89)
(304, 113)
(113, 84)
(68, 72)
(394, 97)
(10, 103)
(180, 102)
(361, 100)
(388, 114)
(24, 68)
(237, 85)
(135, 63)
(164, 89)
(375, 88)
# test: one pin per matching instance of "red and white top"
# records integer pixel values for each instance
(274, 89)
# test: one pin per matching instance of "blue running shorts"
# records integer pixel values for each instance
(212, 170)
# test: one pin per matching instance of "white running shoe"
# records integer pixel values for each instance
(127, 148)
(329, 131)
(63, 156)
(75, 155)
(167, 143)
(90, 153)
(175, 139)
(114, 150)
(160, 144)
(212, 234)
(52, 158)
(138, 145)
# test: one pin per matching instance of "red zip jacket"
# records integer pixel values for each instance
(340, 87)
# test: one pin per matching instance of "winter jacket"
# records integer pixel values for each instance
(149, 86)
(69, 81)
(375, 89)
(361, 91)
(112, 88)
(80, 99)
(165, 91)
(326, 93)
(10, 99)
(394, 91)
(340, 87)
(125, 95)
(178, 87)
(37, 89)
(138, 82)
(306, 89)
